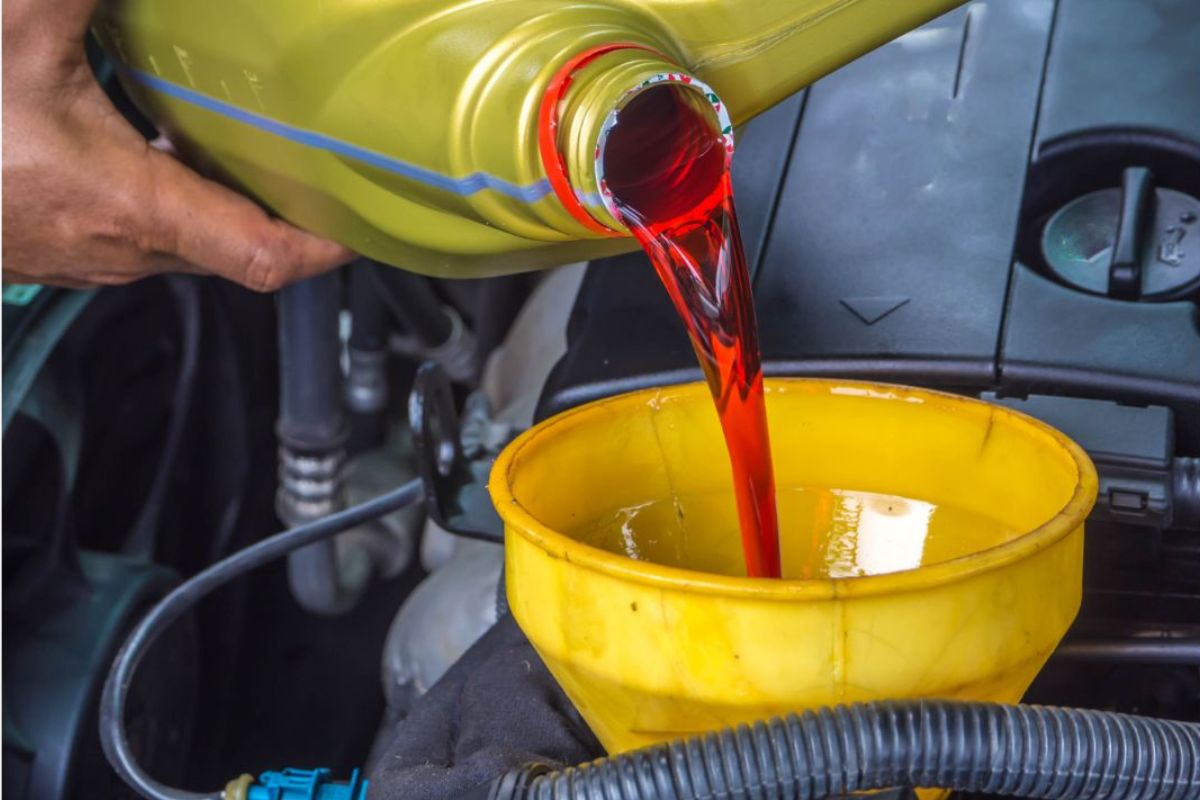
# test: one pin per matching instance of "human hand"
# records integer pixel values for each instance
(88, 201)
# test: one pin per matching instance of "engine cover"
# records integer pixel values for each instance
(897, 216)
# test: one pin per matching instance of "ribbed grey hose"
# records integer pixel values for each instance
(1020, 751)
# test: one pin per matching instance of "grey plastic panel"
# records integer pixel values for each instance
(893, 237)
(1123, 64)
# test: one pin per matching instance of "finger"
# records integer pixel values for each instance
(11, 277)
(218, 230)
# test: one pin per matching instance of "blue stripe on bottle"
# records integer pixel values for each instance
(468, 185)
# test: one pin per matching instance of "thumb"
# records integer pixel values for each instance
(219, 231)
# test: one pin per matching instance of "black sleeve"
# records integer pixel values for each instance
(495, 709)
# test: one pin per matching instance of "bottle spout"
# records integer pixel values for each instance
(583, 106)
(735, 59)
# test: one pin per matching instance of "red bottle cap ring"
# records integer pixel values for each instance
(552, 159)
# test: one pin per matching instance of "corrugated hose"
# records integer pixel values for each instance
(1021, 751)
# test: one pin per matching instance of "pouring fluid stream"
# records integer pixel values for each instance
(667, 165)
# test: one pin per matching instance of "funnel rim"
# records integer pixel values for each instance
(519, 521)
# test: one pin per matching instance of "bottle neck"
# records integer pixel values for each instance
(582, 106)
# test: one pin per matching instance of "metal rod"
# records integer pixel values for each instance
(1132, 651)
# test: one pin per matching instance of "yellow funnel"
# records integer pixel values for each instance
(650, 652)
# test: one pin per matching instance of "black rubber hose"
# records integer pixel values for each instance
(311, 418)
(312, 431)
(498, 303)
(116, 688)
(1022, 751)
(366, 386)
(411, 298)
(368, 314)
(143, 537)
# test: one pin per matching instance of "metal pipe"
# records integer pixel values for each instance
(1132, 651)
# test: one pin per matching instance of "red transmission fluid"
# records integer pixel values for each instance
(666, 168)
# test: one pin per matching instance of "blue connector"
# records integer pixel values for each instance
(306, 784)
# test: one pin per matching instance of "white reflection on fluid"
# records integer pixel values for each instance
(873, 533)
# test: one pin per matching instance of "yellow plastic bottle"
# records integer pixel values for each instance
(420, 133)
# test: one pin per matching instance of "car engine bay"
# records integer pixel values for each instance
(1002, 204)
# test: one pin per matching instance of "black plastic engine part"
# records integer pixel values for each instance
(456, 496)
(103, 393)
(1186, 475)
(1023, 751)
(1140, 483)
(900, 238)
(54, 659)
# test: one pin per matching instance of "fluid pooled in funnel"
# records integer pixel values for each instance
(833, 533)
(666, 166)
